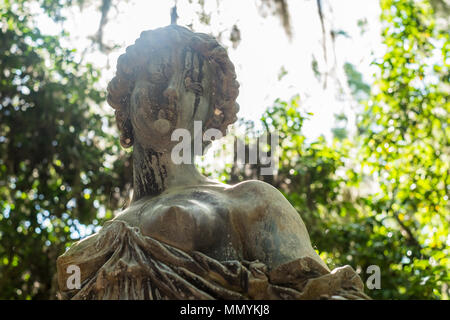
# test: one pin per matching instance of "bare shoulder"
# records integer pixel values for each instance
(252, 186)
(260, 200)
(257, 190)
(270, 228)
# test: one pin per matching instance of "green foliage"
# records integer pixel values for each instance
(54, 172)
(340, 129)
(381, 199)
(405, 142)
(359, 88)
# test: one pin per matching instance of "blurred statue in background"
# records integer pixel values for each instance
(184, 236)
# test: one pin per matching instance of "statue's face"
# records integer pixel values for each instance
(171, 92)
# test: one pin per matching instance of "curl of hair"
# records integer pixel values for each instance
(225, 88)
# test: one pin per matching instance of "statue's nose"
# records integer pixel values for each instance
(171, 94)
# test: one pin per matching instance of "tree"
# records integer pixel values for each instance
(54, 169)
(405, 141)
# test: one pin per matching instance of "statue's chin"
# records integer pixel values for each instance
(154, 134)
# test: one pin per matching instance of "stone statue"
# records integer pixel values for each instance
(184, 236)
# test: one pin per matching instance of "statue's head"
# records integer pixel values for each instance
(168, 79)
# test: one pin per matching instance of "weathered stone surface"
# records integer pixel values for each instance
(185, 236)
(121, 263)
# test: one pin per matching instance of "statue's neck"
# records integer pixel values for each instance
(155, 172)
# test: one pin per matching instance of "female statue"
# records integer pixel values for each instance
(184, 236)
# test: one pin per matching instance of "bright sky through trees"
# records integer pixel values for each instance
(262, 55)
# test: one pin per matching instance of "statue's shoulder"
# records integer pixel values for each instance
(256, 189)
(260, 198)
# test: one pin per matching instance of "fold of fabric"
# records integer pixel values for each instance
(120, 263)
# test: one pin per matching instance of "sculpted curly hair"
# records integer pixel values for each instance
(225, 88)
